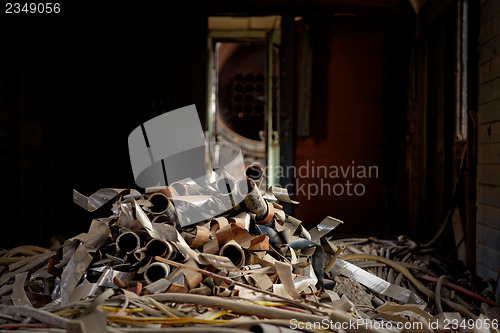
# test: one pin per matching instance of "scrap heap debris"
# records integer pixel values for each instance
(253, 268)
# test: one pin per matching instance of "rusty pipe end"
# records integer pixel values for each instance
(254, 172)
(264, 219)
(234, 252)
(158, 247)
(156, 271)
(160, 203)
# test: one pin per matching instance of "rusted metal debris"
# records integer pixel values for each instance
(254, 268)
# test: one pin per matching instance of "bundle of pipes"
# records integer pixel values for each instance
(149, 263)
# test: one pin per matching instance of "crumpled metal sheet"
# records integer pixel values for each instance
(275, 193)
(99, 198)
(375, 283)
(19, 297)
(73, 272)
(323, 228)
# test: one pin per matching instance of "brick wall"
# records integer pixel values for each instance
(488, 177)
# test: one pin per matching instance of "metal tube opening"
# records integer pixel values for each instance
(254, 172)
(156, 271)
(233, 252)
(128, 242)
(160, 203)
(157, 247)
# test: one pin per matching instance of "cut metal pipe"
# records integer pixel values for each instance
(218, 223)
(254, 201)
(158, 247)
(199, 238)
(156, 271)
(255, 173)
(233, 252)
(302, 268)
(128, 242)
(162, 205)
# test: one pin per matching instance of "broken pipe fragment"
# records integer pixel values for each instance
(156, 271)
(234, 252)
(162, 205)
(254, 202)
(255, 173)
(128, 242)
(158, 247)
(199, 238)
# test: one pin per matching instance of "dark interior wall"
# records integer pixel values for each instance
(357, 120)
(72, 88)
(488, 163)
(434, 152)
(441, 165)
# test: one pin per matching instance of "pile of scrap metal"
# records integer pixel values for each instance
(253, 268)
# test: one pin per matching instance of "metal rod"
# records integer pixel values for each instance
(335, 256)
